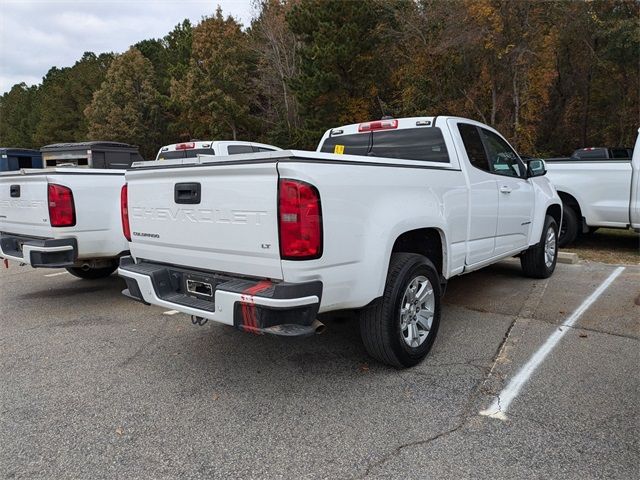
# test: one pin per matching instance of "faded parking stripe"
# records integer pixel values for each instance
(500, 405)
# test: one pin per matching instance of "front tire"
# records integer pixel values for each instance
(91, 273)
(539, 261)
(400, 328)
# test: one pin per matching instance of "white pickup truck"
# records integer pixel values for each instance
(377, 219)
(221, 148)
(597, 192)
(69, 217)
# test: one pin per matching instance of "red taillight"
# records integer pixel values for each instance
(124, 212)
(378, 125)
(300, 220)
(62, 212)
(185, 146)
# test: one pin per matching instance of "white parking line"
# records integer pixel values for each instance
(56, 274)
(500, 405)
(170, 312)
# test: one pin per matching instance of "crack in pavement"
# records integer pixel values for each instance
(588, 329)
(401, 447)
(467, 412)
(526, 312)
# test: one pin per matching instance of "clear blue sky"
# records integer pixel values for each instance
(38, 34)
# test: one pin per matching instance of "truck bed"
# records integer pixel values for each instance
(24, 209)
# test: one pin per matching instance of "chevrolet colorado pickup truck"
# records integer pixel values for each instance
(377, 219)
(69, 217)
(597, 192)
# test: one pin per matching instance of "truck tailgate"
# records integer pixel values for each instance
(210, 217)
(23, 205)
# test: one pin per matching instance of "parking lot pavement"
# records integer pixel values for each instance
(95, 385)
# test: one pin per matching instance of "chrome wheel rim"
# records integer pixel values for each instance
(550, 246)
(416, 311)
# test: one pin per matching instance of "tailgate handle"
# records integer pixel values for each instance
(188, 193)
(14, 191)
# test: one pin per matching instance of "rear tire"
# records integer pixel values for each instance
(399, 329)
(539, 261)
(91, 273)
(569, 228)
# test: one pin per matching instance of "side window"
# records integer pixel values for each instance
(620, 153)
(236, 149)
(473, 145)
(502, 159)
(262, 149)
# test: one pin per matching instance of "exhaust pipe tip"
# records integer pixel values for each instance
(318, 327)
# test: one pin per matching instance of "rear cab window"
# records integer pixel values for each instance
(590, 153)
(177, 154)
(620, 153)
(238, 149)
(421, 143)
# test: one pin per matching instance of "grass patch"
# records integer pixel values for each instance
(608, 245)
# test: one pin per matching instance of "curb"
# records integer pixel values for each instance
(567, 257)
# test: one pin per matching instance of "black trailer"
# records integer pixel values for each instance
(90, 154)
(12, 159)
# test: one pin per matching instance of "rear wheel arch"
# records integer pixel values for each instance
(570, 201)
(572, 221)
(428, 242)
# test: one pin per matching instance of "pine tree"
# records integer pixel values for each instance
(127, 106)
(63, 96)
(215, 95)
(345, 66)
(18, 115)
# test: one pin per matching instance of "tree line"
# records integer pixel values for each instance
(551, 76)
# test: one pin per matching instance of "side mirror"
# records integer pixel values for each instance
(536, 167)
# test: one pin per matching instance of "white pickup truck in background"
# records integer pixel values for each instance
(220, 148)
(376, 220)
(69, 217)
(597, 192)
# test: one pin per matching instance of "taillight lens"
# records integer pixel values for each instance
(300, 220)
(124, 212)
(62, 212)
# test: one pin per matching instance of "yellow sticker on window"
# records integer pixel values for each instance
(339, 149)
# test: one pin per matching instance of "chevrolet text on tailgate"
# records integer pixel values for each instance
(377, 219)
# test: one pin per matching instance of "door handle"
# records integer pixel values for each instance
(187, 193)
(505, 189)
(14, 191)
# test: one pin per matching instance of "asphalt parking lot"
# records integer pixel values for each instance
(93, 385)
